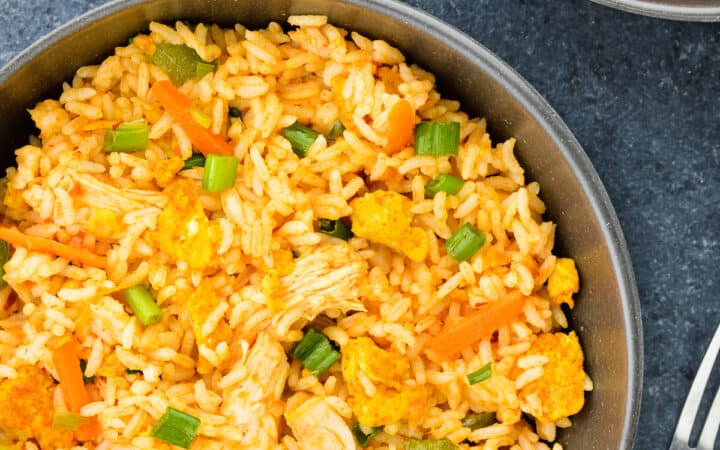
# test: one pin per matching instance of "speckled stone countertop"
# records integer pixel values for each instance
(642, 96)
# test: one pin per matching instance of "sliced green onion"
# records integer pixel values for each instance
(234, 112)
(196, 160)
(176, 427)
(4, 256)
(301, 138)
(363, 434)
(143, 305)
(200, 117)
(220, 172)
(429, 444)
(465, 242)
(479, 420)
(334, 228)
(203, 68)
(296, 254)
(68, 420)
(180, 62)
(128, 137)
(481, 374)
(437, 138)
(83, 365)
(443, 182)
(336, 131)
(133, 372)
(315, 352)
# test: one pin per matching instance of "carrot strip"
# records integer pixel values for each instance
(401, 124)
(77, 255)
(476, 325)
(178, 106)
(67, 366)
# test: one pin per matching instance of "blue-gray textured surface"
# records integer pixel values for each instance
(641, 95)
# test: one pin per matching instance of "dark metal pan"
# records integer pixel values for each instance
(607, 316)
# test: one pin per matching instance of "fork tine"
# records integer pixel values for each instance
(710, 429)
(690, 408)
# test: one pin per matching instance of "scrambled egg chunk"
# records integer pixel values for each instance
(27, 410)
(271, 282)
(365, 363)
(183, 230)
(559, 392)
(165, 170)
(384, 217)
(201, 303)
(104, 223)
(563, 282)
(317, 426)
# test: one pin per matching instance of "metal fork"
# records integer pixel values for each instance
(681, 439)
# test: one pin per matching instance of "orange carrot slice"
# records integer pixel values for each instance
(77, 255)
(178, 106)
(470, 329)
(67, 366)
(401, 124)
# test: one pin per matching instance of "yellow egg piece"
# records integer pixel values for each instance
(564, 282)
(385, 217)
(559, 392)
(364, 363)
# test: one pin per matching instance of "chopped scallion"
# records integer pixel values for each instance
(334, 228)
(220, 172)
(127, 137)
(196, 160)
(429, 444)
(336, 131)
(481, 374)
(200, 117)
(295, 254)
(68, 420)
(176, 427)
(315, 352)
(437, 138)
(143, 305)
(180, 62)
(4, 256)
(83, 365)
(465, 242)
(133, 372)
(443, 182)
(363, 434)
(479, 420)
(301, 138)
(203, 69)
(234, 112)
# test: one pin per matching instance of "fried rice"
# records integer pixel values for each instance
(241, 275)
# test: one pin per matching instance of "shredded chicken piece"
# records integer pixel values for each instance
(324, 281)
(103, 195)
(253, 402)
(317, 426)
